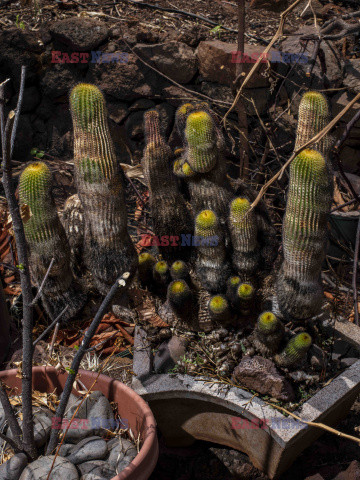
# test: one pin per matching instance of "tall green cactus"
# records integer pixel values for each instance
(170, 215)
(314, 115)
(46, 239)
(108, 249)
(298, 287)
(211, 266)
(243, 233)
(202, 164)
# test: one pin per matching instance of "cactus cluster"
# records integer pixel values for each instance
(108, 249)
(298, 287)
(47, 240)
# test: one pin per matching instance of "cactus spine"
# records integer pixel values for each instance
(170, 214)
(243, 233)
(108, 249)
(295, 350)
(211, 264)
(46, 239)
(298, 286)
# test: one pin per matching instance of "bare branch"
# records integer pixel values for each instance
(43, 282)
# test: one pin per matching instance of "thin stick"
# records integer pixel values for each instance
(43, 282)
(315, 139)
(356, 261)
(278, 34)
(14, 210)
(47, 330)
(10, 416)
(120, 283)
(11, 442)
(54, 338)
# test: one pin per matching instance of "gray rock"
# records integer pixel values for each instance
(174, 59)
(347, 362)
(39, 469)
(42, 426)
(97, 410)
(93, 448)
(260, 374)
(352, 72)
(92, 476)
(169, 353)
(122, 453)
(100, 468)
(80, 34)
(65, 449)
(12, 469)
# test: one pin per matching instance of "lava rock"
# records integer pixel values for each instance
(260, 374)
(169, 353)
(93, 448)
(24, 138)
(59, 80)
(31, 99)
(217, 63)
(80, 34)
(174, 59)
(122, 453)
(142, 104)
(101, 468)
(118, 111)
(352, 75)
(123, 81)
(12, 469)
(97, 410)
(39, 469)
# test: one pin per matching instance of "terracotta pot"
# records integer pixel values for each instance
(130, 407)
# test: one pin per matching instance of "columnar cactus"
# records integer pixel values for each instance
(108, 249)
(211, 264)
(232, 285)
(170, 215)
(298, 286)
(295, 350)
(243, 234)
(314, 115)
(46, 239)
(268, 334)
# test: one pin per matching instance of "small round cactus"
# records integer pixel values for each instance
(244, 299)
(179, 294)
(295, 351)
(146, 264)
(268, 334)
(161, 272)
(232, 285)
(179, 270)
(47, 240)
(219, 308)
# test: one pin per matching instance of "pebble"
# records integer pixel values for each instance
(92, 448)
(39, 469)
(101, 468)
(122, 453)
(12, 469)
(42, 426)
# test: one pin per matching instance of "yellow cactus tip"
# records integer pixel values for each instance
(178, 287)
(187, 170)
(206, 219)
(218, 304)
(37, 168)
(199, 119)
(161, 267)
(312, 94)
(311, 156)
(240, 205)
(245, 290)
(234, 280)
(184, 109)
(267, 318)
(145, 257)
(303, 340)
(178, 266)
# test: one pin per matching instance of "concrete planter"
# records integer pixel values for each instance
(188, 409)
